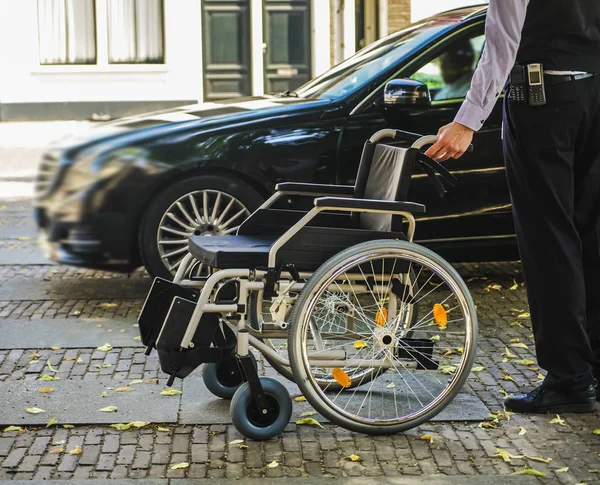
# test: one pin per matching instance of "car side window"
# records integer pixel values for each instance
(449, 75)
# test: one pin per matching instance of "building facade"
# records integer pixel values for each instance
(101, 59)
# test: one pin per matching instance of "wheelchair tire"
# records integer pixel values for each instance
(393, 390)
(224, 378)
(250, 422)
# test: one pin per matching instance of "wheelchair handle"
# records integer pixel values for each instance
(418, 141)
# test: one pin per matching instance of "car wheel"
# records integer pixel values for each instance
(208, 205)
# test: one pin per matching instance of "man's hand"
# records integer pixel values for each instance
(454, 140)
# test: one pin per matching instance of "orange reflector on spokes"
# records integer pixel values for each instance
(381, 317)
(341, 377)
(439, 315)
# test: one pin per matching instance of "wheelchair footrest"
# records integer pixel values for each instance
(419, 350)
(156, 307)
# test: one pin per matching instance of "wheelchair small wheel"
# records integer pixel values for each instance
(350, 323)
(253, 423)
(224, 378)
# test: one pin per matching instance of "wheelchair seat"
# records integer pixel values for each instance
(240, 251)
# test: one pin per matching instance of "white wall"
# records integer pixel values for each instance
(24, 80)
(424, 8)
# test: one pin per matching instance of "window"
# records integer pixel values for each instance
(135, 32)
(449, 75)
(67, 31)
(132, 34)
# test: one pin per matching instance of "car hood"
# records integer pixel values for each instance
(191, 117)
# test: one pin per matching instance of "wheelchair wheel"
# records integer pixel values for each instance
(259, 315)
(425, 363)
(252, 423)
(224, 378)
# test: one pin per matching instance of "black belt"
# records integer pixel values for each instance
(566, 78)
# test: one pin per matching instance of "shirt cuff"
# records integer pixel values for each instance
(471, 115)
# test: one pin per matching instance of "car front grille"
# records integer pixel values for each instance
(47, 171)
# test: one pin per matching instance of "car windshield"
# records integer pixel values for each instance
(369, 62)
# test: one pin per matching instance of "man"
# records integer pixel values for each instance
(552, 156)
(456, 67)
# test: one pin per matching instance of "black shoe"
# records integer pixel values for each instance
(543, 400)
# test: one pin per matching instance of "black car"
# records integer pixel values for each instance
(133, 191)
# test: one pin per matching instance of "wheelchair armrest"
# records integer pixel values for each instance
(314, 189)
(367, 205)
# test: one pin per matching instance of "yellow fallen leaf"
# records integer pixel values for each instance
(76, 451)
(308, 413)
(477, 369)
(440, 316)
(519, 346)
(514, 286)
(105, 348)
(33, 355)
(427, 437)
(52, 422)
(137, 338)
(391, 385)
(46, 377)
(122, 331)
(596, 431)
(487, 424)
(300, 399)
(504, 393)
(109, 409)
(507, 377)
(562, 470)
(311, 421)
(524, 362)
(46, 389)
(506, 456)
(69, 358)
(515, 340)
(124, 389)
(139, 424)
(179, 466)
(529, 471)
(243, 447)
(522, 431)
(35, 410)
(54, 347)
(34, 361)
(104, 394)
(103, 366)
(448, 352)
(359, 344)
(447, 369)
(50, 367)
(12, 428)
(107, 305)
(341, 377)
(68, 426)
(120, 426)
(56, 450)
(135, 381)
(164, 430)
(524, 315)
(151, 381)
(537, 458)
(353, 458)
(460, 350)
(435, 338)
(109, 330)
(76, 313)
(170, 392)
(558, 420)
(273, 464)
(509, 354)
(236, 442)
(516, 324)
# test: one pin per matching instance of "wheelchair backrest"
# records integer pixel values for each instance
(384, 173)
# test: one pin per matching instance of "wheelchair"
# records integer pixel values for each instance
(378, 333)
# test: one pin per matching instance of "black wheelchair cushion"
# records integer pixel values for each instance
(232, 251)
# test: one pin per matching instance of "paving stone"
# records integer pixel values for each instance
(14, 458)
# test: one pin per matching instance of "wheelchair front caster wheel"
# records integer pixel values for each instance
(254, 423)
(224, 378)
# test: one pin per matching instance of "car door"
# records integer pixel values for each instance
(478, 210)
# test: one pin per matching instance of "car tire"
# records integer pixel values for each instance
(160, 234)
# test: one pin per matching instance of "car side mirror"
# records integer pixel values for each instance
(402, 94)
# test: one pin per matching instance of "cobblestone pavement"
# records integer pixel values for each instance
(455, 449)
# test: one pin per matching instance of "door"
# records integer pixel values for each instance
(479, 209)
(287, 44)
(226, 47)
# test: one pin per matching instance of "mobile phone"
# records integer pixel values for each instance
(535, 81)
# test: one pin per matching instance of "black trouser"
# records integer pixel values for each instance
(552, 156)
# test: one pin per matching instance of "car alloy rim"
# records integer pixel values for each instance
(201, 213)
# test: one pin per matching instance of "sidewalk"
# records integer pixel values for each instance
(22, 145)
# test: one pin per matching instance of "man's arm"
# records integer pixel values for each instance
(503, 26)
